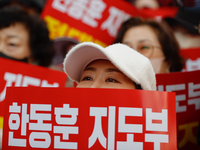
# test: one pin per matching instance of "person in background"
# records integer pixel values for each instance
(140, 4)
(62, 45)
(24, 37)
(116, 66)
(154, 4)
(185, 26)
(155, 41)
(31, 6)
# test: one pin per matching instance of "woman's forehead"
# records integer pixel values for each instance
(100, 63)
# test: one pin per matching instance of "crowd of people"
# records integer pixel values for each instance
(159, 41)
(141, 49)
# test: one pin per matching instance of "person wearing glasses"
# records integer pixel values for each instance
(155, 41)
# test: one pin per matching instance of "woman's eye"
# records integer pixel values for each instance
(86, 79)
(145, 47)
(12, 45)
(112, 80)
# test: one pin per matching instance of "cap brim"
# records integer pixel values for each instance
(131, 63)
(80, 56)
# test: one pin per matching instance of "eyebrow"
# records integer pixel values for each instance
(13, 36)
(140, 41)
(90, 69)
(107, 70)
(145, 40)
(113, 70)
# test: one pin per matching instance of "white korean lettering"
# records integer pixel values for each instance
(14, 123)
(61, 5)
(25, 119)
(14, 108)
(111, 127)
(194, 91)
(114, 20)
(129, 143)
(160, 88)
(40, 117)
(14, 118)
(98, 113)
(18, 80)
(39, 140)
(14, 141)
(182, 97)
(30, 81)
(46, 84)
(94, 12)
(10, 78)
(157, 139)
(192, 65)
(77, 9)
(150, 116)
(65, 130)
(66, 110)
(129, 128)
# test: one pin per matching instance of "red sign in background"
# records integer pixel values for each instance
(14, 73)
(187, 88)
(87, 20)
(97, 21)
(77, 118)
(192, 57)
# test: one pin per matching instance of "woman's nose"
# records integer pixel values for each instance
(96, 84)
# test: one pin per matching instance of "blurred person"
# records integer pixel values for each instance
(31, 6)
(24, 37)
(155, 4)
(155, 41)
(185, 26)
(62, 45)
(151, 4)
(116, 66)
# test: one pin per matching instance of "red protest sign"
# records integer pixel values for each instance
(160, 13)
(187, 88)
(87, 20)
(14, 73)
(192, 57)
(75, 118)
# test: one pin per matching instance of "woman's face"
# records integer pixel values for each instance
(14, 41)
(103, 74)
(144, 39)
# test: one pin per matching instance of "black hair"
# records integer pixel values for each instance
(138, 86)
(35, 5)
(40, 44)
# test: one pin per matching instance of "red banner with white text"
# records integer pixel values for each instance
(192, 57)
(187, 88)
(14, 73)
(94, 20)
(87, 20)
(75, 118)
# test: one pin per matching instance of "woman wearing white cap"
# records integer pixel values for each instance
(116, 66)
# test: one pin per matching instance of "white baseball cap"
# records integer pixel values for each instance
(131, 63)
